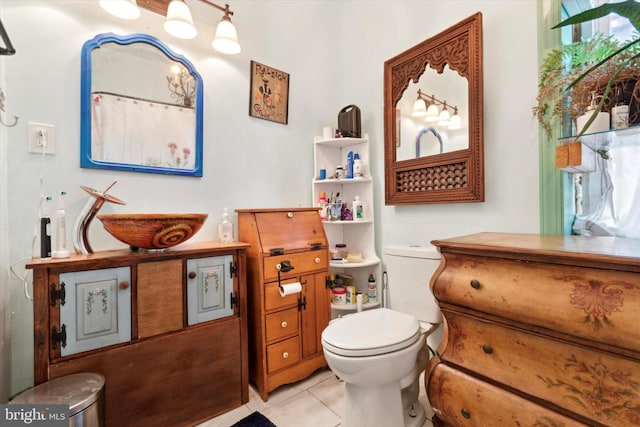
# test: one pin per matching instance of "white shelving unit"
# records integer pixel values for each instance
(358, 235)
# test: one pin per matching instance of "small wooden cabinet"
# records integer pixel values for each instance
(540, 331)
(287, 246)
(171, 329)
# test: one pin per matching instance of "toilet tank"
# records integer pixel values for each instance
(409, 269)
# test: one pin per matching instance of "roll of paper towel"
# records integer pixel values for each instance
(290, 288)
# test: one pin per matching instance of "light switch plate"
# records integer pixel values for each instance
(42, 137)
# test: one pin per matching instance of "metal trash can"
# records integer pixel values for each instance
(84, 393)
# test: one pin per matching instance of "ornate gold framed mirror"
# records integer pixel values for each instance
(446, 71)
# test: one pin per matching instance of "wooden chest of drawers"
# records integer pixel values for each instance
(540, 330)
(285, 331)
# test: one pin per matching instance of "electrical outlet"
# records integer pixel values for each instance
(42, 138)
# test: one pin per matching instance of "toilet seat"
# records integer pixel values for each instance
(371, 333)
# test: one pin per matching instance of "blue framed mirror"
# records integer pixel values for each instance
(141, 107)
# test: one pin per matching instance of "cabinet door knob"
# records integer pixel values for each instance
(123, 285)
(465, 413)
(475, 284)
(289, 214)
(317, 260)
(285, 355)
(284, 324)
(487, 348)
(192, 275)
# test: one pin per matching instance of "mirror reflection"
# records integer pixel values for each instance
(424, 129)
(434, 162)
(141, 107)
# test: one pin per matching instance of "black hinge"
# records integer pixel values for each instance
(234, 300)
(233, 269)
(59, 337)
(57, 294)
(316, 246)
(276, 251)
(302, 303)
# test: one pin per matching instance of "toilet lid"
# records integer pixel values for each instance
(371, 332)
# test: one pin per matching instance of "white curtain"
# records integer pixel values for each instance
(617, 189)
(126, 130)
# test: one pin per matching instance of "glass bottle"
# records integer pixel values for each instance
(620, 112)
(225, 228)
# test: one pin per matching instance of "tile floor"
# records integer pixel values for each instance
(314, 402)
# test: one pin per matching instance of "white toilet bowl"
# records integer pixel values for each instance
(379, 354)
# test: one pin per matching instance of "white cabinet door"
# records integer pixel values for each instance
(209, 289)
(97, 310)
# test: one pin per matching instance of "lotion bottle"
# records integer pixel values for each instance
(356, 208)
(620, 113)
(60, 221)
(225, 228)
(357, 167)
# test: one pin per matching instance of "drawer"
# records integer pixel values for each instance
(273, 300)
(461, 400)
(283, 354)
(597, 304)
(599, 385)
(303, 262)
(282, 324)
(290, 230)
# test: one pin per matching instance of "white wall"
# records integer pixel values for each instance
(334, 52)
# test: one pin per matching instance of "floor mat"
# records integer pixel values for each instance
(254, 420)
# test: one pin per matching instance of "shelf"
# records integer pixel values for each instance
(367, 262)
(602, 140)
(340, 222)
(339, 142)
(352, 307)
(343, 181)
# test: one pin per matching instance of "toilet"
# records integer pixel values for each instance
(380, 353)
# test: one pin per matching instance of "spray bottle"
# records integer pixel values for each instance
(60, 221)
(45, 230)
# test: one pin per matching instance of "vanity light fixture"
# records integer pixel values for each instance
(179, 22)
(125, 9)
(432, 113)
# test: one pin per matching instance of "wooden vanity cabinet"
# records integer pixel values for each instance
(171, 368)
(285, 331)
(539, 331)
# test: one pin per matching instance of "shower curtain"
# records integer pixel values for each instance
(134, 131)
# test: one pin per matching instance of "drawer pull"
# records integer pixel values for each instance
(475, 284)
(289, 214)
(285, 355)
(284, 324)
(465, 413)
(192, 275)
(123, 285)
(487, 348)
(317, 260)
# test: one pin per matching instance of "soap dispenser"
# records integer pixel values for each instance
(600, 122)
(60, 235)
(225, 228)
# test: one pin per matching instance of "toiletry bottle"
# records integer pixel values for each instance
(322, 204)
(357, 167)
(225, 228)
(600, 122)
(356, 208)
(620, 112)
(372, 289)
(45, 230)
(349, 170)
(60, 221)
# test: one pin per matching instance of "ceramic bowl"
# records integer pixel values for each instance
(152, 231)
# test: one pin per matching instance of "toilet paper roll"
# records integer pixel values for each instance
(290, 288)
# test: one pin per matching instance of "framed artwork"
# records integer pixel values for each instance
(269, 93)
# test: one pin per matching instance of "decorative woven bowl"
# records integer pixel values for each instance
(152, 231)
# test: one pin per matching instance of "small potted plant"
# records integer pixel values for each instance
(602, 65)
